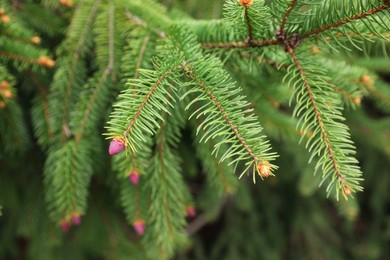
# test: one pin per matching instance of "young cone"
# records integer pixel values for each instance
(139, 226)
(116, 146)
(64, 225)
(191, 212)
(134, 176)
(76, 218)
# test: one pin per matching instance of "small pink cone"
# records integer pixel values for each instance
(64, 225)
(134, 176)
(139, 227)
(76, 218)
(191, 212)
(116, 146)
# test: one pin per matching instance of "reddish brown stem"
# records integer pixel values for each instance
(249, 25)
(141, 56)
(253, 43)
(286, 15)
(17, 57)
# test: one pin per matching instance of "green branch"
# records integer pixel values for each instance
(326, 136)
(74, 60)
(107, 72)
(224, 114)
(349, 19)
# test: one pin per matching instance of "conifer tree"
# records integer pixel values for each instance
(128, 127)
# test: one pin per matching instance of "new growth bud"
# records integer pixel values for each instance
(347, 190)
(357, 100)
(36, 40)
(5, 92)
(366, 80)
(5, 19)
(245, 3)
(116, 146)
(4, 84)
(46, 62)
(264, 169)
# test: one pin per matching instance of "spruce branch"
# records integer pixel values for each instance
(334, 147)
(317, 113)
(168, 191)
(24, 59)
(45, 107)
(73, 70)
(106, 73)
(147, 99)
(222, 111)
(67, 178)
(343, 21)
(216, 95)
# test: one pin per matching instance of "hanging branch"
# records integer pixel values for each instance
(234, 128)
(106, 73)
(317, 114)
(147, 98)
(72, 77)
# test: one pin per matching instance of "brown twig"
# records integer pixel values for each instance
(286, 15)
(249, 25)
(17, 57)
(229, 45)
(141, 55)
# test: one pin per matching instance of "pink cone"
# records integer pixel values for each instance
(116, 146)
(191, 212)
(134, 176)
(76, 219)
(139, 227)
(64, 225)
